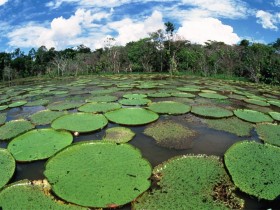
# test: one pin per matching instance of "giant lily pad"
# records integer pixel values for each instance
(40, 102)
(158, 95)
(3, 117)
(96, 107)
(45, 117)
(17, 104)
(269, 133)
(257, 102)
(135, 96)
(132, 116)
(190, 182)
(39, 144)
(79, 174)
(80, 122)
(171, 134)
(64, 105)
(118, 135)
(169, 107)
(255, 168)
(275, 115)
(134, 102)
(275, 103)
(7, 167)
(252, 116)
(183, 95)
(212, 95)
(14, 128)
(32, 195)
(3, 107)
(211, 111)
(106, 98)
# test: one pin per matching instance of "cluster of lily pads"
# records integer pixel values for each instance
(41, 122)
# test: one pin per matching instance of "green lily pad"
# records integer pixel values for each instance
(14, 128)
(33, 195)
(275, 115)
(257, 102)
(106, 98)
(171, 134)
(97, 107)
(3, 117)
(17, 104)
(80, 122)
(169, 107)
(269, 133)
(40, 102)
(3, 107)
(275, 103)
(45, 117)
(188, 89)
(90, 184)
(103, 91)
(39, 144)
(132, 116)
(190, 182)
(183, 95)
(134, 102)
(252, 116)
(212, 95)
(64, 105)
(255, 168)
(159, 95)
(231, 125)
(135, 96)
(118, 135)
(7, 167)
(211, 111)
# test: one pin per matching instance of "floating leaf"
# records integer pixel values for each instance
(159, 95)
(40, 102)
(275, 103)
(257, 102)
(252, 116)
(211, 111)
(97, 107)
(212, 95)
(7, 167)
(45, 117)
(275, 115)
(106, 98)
(118, 135)
(64, 105)
(183, 95)
(17, 104)
(3, 117)
(3, 107)
(134, 102)
(135, 96)
(169, 107)
(269, 133)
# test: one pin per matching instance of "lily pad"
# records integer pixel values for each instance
(159, 95)
(17, 104)
(97, 107)
(3, 107)
(275, 103)
(257, 102)
(3, 117)
(90, 184)
(80, 122)
(64, 105)
(40, 102)
(7, 167)
(39, 144)
(118, 135)
(132, 116)
(134, 102)
(212, 95)
(169, 107)
(45, 117)
(183, 95)
(188, 89)
(211, 111)
(275, 115)
(269, 133)
(255, 168)
(106, 98)
(252, 116)
(33, 195)
(14, 128)
(135, 96)
(190, 182)
(171, 134)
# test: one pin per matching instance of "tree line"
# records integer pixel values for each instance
(161, 51)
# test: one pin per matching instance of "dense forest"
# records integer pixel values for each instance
(161, 51)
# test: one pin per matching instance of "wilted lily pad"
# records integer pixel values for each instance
(32, 195)
(275, 115)
(39, 144)
(80, 122)
(212, 95)
(90, 185)
(17, 104)
(252, 116)
(7, 167)
(132, 116)
(255, 168)
(190, 182)
(96, 107)
(118, 135)
(169, 107)
(134, 102)
(269, 133)
(211, 111)
(45, 117)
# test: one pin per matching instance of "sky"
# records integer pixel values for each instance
(61, 24)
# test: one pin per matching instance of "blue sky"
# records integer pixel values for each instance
(69, 23)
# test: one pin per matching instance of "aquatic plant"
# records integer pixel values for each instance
(64, 105)
(257, 102)
(3, 117)
(105, 98)
(7, 167)
(118, 134)
(212, 95)
(17, 104)
(252, 116)
(99, 107)
(269, 133)
(211, 111)
(45, 117)
(169, 107)
(275, 115)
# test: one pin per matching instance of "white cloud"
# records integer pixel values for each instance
(277, 3)
(200, 30)
(2, 2)
(268, 20)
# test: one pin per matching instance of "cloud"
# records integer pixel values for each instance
(268, 20)
(200, 30)
(2, 2)
(277, 3)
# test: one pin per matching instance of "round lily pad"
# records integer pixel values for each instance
(80, 122)
(134, 102)
(169, 107)
(275, 103)
(3, 107)
(3, 117)
(118, 135)
(269, 133)
(183, 95)
(45, 117)
(64, 105)
(14, 128)
(40, 102)
(171, 134)
(132, 116)
(190, 182)
(252, 116)
(135, 96)
(188, 89)
(211, 111)
(7, 167)
(212, 95)
(90, 185)
(106, 98)
(17, 104)
(254, 168)
(159, 95)
(96, 107)
(34, 195)
(39, 144)
(275, 115)
(257, 102)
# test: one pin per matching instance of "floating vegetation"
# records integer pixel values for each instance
(211, 111)
(159, 95)
(40, 102)
(132, 116)
(14, 128)
(7, 167)
(39, 144)
(183, 95)
(257, 102)
(188, 89)
(275, 103)
(231, 125)
(80, 122)
(255, 168)
(135, 102)
(90, 185)
(3, 117)
(3, 107)
(118, 135)
(169, 107)
(212, 95)
(135, 96)
(17, 104)
(45, 117)
(252, 116)
(275, 115)
(269, 133)
(104, 91)
(64, 105)
(171, 134)
(106, 98)
(32, 195)
(191, 182)
(99, 107)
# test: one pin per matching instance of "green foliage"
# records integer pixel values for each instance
(7, 167)
(105, 98)
(255, 168)
(90, 185)
(17, 104)
(3, 107)
(269, 133)
(3, 117)
(158, 95)
(183, 95)
(40, 102)
(64, 105)
(169, 107)
(97, 107)
(118, 134)
(257, 102)
(134, 102)
(45, 117)
(134, 96)
(275, 115)
(212, 95)
(252, 116)
(211, 111)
